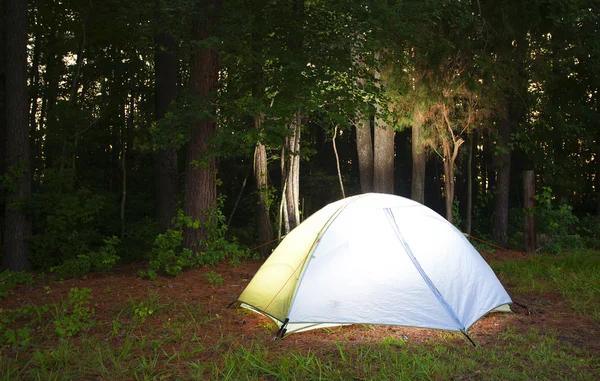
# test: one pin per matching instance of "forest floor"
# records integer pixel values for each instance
(182, 328)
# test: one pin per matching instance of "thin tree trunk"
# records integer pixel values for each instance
(166, 92)
(265, 229)
(448, 181)
(502, 164)
(364, 147)
(35, 85)
(529, 208)
(2, 113)
(597, 159)
(418, 159)
(292, 189)
(337, 162)
(201, 182)
(469, 217)
(239, 197)
(18, 223)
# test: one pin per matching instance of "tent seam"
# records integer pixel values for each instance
(449, 310)
(316, 244)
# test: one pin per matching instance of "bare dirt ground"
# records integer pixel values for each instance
(111, 291)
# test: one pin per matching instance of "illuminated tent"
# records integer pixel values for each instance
(375, 259)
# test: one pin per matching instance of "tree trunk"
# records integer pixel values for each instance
(2, 113)
(265, 229)
(597, 159)
(469, 217)
(383, 174)
(166, 92)
(417, 192)
(337, 163)
(364, 147)
(18, 223)
(201, 183)
(529, 208)
(35, 86)
(502, 164)
(292, 175)
(448, 179)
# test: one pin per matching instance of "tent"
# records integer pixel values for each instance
(375, 259)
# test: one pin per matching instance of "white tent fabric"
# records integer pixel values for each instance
(377, 259)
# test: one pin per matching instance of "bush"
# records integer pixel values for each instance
(10, 279)
(100, 260)
(589, 230)
(170, 257)
(66, 220)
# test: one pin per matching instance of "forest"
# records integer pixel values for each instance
(180, 140)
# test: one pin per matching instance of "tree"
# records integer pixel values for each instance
(200, 200)
(166, 92)
(18, 223)
(418, 157)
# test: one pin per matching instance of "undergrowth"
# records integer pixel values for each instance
(576, 275)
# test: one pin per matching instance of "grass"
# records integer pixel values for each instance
(532, 355)
(575, 275)
(160, 337)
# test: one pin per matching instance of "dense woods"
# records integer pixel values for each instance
(182, 132)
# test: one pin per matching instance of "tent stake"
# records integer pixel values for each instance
(468, 337)
(281, 332)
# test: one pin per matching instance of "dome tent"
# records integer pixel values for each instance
(375, 259)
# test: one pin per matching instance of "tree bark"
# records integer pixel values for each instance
(18, 223)
(469, 217)
(417, 192)
(337, 163)
(34, 79)
(2, 113)
(200, 200)
(292, 175)
(502, 164)
(265, 229)
(449, 185)
(383, 174)
(529, 208)
(364, 147)
(166, 92)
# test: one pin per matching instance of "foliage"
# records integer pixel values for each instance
(100, 260)
(68, 220)
(73, 315)
(10, 279)
(589, 230)
(456, 219)
(17, 336)
(214, 278)
(170, 257)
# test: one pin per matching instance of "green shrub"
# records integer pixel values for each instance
(589, 230)
(214, 278)
(100, 260)
(75, 314)
(10, 279)
(170, 257)
(67, 219)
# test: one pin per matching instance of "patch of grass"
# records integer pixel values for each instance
(576, 275)
(524, 356)
(141, 310)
